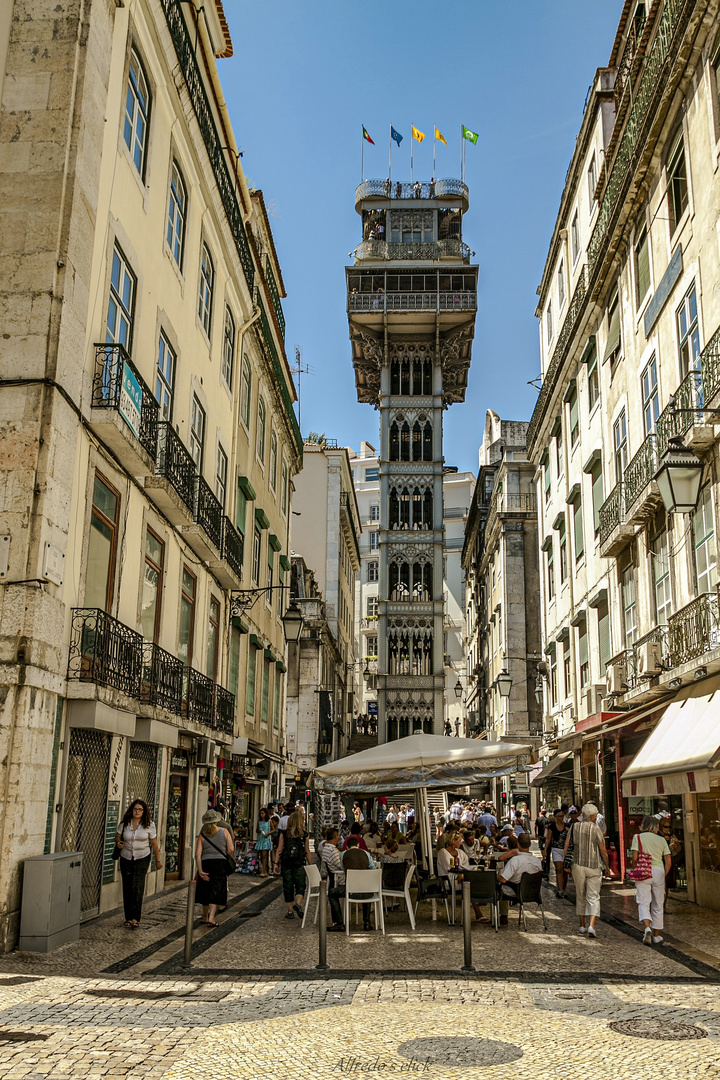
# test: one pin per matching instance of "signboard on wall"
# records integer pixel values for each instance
(372, 708)
(131, 396)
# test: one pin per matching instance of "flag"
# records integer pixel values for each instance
(419, 135)
(471, 136)
(395, 135)
(440, 137)
(371, 141)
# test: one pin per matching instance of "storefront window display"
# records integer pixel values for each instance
(709, 825)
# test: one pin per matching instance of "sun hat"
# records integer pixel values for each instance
(210, 817)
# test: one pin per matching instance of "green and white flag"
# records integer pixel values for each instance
(471, 136)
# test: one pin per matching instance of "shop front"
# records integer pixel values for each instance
(176, 816)
(556, 781)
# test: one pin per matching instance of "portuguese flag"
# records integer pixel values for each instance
(367, 137)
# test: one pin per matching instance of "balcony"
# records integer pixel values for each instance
(615, 532)
(232, 547)
(104, 651)
(205, 534)
(200, 699)
(274, 296)
(172, 487)
(694, 630)
(683, 415)
(423, 301)
(124, 412)
(512, 505)
(418, 251)
(620, 673)
(396, 189)
(162, 678)
(642, 496)
(224, 711)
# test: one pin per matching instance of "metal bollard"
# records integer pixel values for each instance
(322, 964)
(467, 927)
(189, 920)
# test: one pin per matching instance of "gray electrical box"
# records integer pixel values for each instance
(50, 914)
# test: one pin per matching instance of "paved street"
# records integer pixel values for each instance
(119, 1005)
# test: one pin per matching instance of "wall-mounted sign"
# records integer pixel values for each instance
(130, 399)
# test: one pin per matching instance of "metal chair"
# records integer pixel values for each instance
(433, 888)
(364, 887)
(529, 891)
(402, 888)
(312, 874)
(484, 890)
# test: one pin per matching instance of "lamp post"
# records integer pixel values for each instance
(458, 689)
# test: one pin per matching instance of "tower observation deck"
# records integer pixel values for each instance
(411, 300)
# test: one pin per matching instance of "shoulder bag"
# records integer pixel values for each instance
(643, 869)
(230, 867)
(568, 860)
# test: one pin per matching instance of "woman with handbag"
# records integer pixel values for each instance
(134, 839)
(586, 851)
(651, 863)
(214, 856)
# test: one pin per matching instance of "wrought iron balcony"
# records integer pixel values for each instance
(208, 511)
(224, 710)
(615, 531)
(200, 697)
(117, 385)
(620, 672)
(429, 250)
(679, 415)
(105, 651)
(273, 357)
(710, 367)
(513, 503)
(162, 678)
(232, 547)
(641, 491)
(397, 189)
(424, 301)
(694, 630)
(175, 463)
(274, 295)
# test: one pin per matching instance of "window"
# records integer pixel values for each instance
(677, 182)
(152, 586)
(592, 179)
(257, 543)
(574, 238)
(278, 694)
(642, 266)
(704, 543)
(567, 669)
(165, 377)
(371, 608)
(620, 446)
(563, 553)
(241, 511)
(578, 528)
(186, 630)
(650, 399)
(251, 679)
(177, 213)
(593, 376)
(228, 352)
(207, 284)
(559, 456)
(273, 460)
(550, 573)
(549, 323)
(574, 419)
(121, 304)
(234, 664)
(613, 345)
(603, 628)
(598, 493)
(561, 285)
(137, 113)
(284, 485)
(629, 603)
(245, 392)
(265, 690)
(661, 577)
(372, 571)
(374, 541)
(197, 433)
(553, 678)
(270, 576)
(213, 639)
(261, 425)
(688, 333)
(371, 645)
(375, 513)
(583, 654)
(99, 579)
(221, 467)
(547, 478)
(372, 474)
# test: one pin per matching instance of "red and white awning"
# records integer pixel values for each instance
(681, 753)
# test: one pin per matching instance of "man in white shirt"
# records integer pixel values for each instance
(513, 870)
(392, 816)
(455, 811)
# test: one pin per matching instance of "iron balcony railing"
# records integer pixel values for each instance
(117, 384)
(640, 470)
(694, 630)
(200, 697)
(224, 710)
(175, 463)
(424, 301)
(268, 344)
(105, 651)
(710, 367)
(612, 512)
(208, 511)
(679, 415)
(274, 295)
(398, 189)
(506, 502)
(452, 248)
(162, 678)
(232, 547)
(624, 663)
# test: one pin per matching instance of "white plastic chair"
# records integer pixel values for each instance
(312, 873)
(404, 893)
(368, 885)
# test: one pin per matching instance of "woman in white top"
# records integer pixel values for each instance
(650, 896)
(135, 837)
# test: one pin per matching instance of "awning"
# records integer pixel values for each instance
(552, 766)
(678, 755)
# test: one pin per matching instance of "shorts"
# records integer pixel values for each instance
(558, 854)
(294, 881)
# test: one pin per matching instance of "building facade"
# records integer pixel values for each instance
(150, 444)
(629, 318)
(412, 299)
(457, 496)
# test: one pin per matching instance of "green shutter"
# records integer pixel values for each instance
(274, 542)
(597, 493)
(247, 488)
(251, 674)
(578, 522)
(241, 509)
(278, 689)
(265, 691)
(285, 562)
(234, 673)
(603, 617)
(583, 644)
(573, 412)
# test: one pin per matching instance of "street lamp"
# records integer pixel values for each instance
(539, 689)
(458, 689)
(504, 683)
(292, 622)
(679, 477)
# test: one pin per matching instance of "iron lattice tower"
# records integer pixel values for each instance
(412, 300)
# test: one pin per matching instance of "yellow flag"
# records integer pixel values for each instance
(440, 137)
(419, 135)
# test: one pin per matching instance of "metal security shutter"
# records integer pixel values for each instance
(85, 808)
(142, 771)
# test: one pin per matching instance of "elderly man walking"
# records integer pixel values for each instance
(589, 859)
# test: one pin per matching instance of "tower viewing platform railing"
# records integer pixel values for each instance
(414, 251)
(421, 301)
(420, 189)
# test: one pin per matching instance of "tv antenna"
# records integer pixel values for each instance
(299, 370)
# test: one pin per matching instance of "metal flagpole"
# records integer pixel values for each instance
(362, 156)
(390, 154)
(462, 155)
(412, 140)
(434, 146)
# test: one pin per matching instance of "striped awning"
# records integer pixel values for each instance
(679, 755)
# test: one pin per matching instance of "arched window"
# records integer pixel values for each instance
(427, 442)
(177, 215)
(137, 114)
(394, 376)
(417, 442)
(394, 441)
(427, 515)
(399, 581)
(404, 509)
(394, 509)
(405, 442)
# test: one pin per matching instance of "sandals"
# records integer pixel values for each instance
(209, 923)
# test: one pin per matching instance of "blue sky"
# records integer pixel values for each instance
(306, 76)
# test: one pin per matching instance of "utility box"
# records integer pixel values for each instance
(50, 914)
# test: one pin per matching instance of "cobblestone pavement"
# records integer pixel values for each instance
(546, 1003)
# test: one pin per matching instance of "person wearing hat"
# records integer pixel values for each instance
(214, 847)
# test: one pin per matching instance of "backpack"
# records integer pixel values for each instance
(294, 850)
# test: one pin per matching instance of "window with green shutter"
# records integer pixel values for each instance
(603, 626)
(278, 695)
(234, 672)
(583, 654)
(241, 510)
(642, 265)
(265, 691)
(578, 528)
(251, 676)
(574, 420)
(598, 493)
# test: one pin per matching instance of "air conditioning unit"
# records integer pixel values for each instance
(593, 698)
(204, 753)
(649, 657)
(615, 679)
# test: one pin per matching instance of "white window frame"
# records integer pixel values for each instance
(177, 215)
(221, 473)
(198, 422)
(136, 120)
(165, 376)
(206, 288)
(261, 433)
(228, 349)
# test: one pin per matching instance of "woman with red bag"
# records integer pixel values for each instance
(651, 863)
